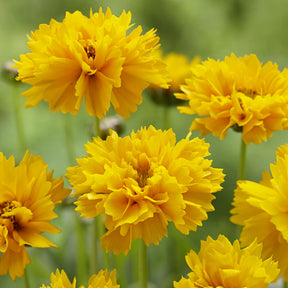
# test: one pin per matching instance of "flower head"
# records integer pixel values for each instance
(239, 93)
(94, 57)
(101, 280)
(262, 210)
(178, 67)
(60, 280)
(222, 264)
(143, 181)
(27, 200)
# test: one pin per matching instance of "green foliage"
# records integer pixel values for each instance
(208, 28)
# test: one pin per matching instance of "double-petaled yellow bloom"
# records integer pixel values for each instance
(27, 200)
(102, 280)
(222, 264)
(92, 56)
(142, 182)
(238, 93)
(178, 67)
(262, 210)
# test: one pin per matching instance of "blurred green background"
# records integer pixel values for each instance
(208, 28)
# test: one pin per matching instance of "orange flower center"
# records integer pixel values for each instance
(143, 170)
(6, 213)
(89, 47)
(143, 175)
(248, 92)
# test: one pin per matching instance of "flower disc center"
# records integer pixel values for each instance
(143, 175)
(89, 47)
(248, 92)
(6, 212)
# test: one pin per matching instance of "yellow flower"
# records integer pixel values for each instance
(101, 280)
(238, 93)
(178, 67)
(60, 280)
(93, 57)
(262, 210)
(142, 182)
(27, 200)
(221, 264)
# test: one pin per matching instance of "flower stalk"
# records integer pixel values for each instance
(69, 139)
(98, 228)
(81, 266)
(26, 279)
(242, 160)
(94, 265)
(18, 118)
(143, 264)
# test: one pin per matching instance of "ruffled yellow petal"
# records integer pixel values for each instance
(261, 208)
(222, 264)
(29, 197)
(142, 182)
(92, 58)
(237, 92)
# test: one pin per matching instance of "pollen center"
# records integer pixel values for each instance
(90, 50)
(6, 212)
(89, 47)
(143, 168)
(142, 177)
(248, 92)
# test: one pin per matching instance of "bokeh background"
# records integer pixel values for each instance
(206, 28)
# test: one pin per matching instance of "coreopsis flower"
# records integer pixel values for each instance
(143, 181)
(102, 280)
(262, 210)
(222, 264)
(27, 200)
(179, 68)
(237, 92)
(92, 56)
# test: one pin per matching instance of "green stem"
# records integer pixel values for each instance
(97, 127)
(143, 264)
(101, 230)
(95, 248)
(98, 229)
(285, 284)
(242, 160)
(18, 118)
(166, 124)
(69, 139)
(81, 260)
(26, 279)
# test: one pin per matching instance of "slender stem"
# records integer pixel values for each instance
(81, 256)
(18, 118)
(26, 279)
(120, 267)
(285, 284)
(143, 264)
(97, 127)
(101, 231)
(81, 260)
(166, 94)
(166, 124)
(98, 229)
(69, 139)
(242, 160)
(95, 248)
